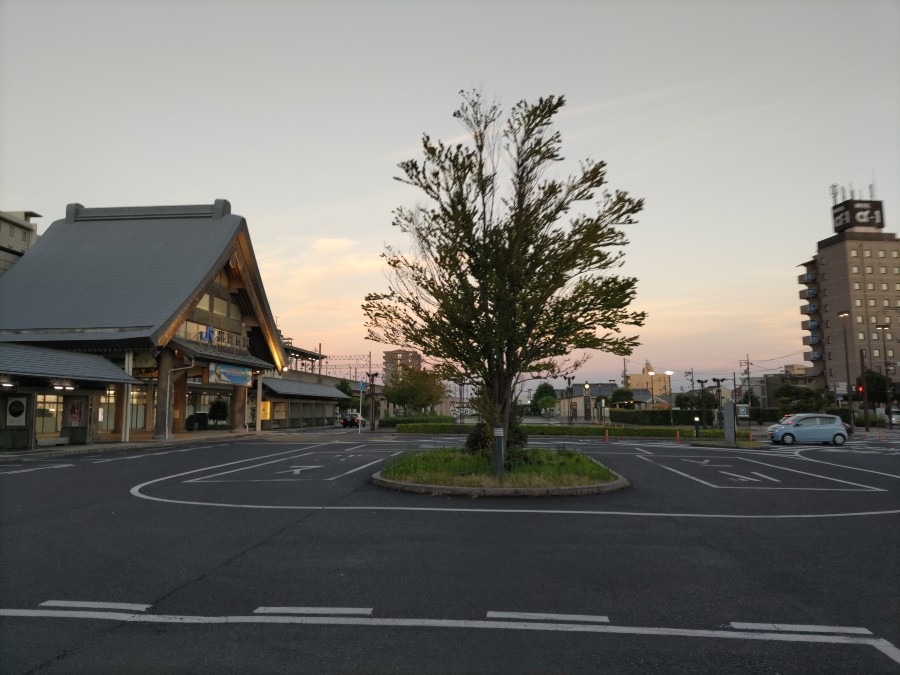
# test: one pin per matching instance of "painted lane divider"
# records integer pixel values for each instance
(77, 604)
(362, 611)
(882, 645)
(547, 617)
(800, 628)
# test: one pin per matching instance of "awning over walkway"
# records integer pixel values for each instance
(23, 361)
(207, 352)
(303, 389)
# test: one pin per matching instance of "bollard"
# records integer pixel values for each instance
(606, 435)
(677, 436)
(498, 451)
(750, 433)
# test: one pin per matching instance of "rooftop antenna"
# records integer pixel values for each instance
(843, 194)
(872, 186)
(834, 193)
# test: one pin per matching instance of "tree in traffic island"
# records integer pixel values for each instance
(509, 267)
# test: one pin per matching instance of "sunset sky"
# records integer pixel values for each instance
(731, 119)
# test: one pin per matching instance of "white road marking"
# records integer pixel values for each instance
(800, 628)
(244, 468)
(841, 466)
(680, 473)
(365, 611)
(739, 477)
(814, 475)
(157, 454)
(360, 468)
(296, 470)
(762, 475)
(96, 605)
(548, 617)
(36, 468)
(880, 644)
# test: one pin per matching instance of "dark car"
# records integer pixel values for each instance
(352, 420)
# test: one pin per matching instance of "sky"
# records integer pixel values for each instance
(732, 119)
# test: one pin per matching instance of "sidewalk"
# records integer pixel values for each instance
(52, 446)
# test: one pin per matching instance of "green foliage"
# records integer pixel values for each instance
(218, 410)
(496, 287)
(415, 390)
(344, 387)
(693, 400)
(793, 398)
(546, 404)
(480, 438)
(574, 430)
(622, 395)
(543, 392)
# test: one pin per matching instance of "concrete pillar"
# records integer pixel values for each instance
(238, 408)
(120, 404)
(179, 401)
(163, 428)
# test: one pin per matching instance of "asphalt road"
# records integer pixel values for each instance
(278, 555)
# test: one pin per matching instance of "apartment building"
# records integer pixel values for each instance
(17, 235)
(851, 289)
(398, 359)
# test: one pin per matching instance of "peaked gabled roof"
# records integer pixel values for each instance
(127, 275)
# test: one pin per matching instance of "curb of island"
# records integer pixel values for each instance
(619, 483)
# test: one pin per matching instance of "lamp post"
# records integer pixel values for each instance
(652, 395)
(843, 316)
(702, 384)
(883, 328)
(587, 401)
(669, 374)
(718, 381)
(569, 394)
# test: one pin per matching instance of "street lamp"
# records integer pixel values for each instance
(669, 374)
(702, 384)
(843, 316)
(884, 328)
(718, 381)
(587, 401)
(652, 395)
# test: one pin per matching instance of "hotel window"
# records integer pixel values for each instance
(886, 319)
(897, 270)
(867, 253)
(885, 303)
(890, 353)
(884, 287)
(870, 286)
(828, 341)
(857, 302)
(856, 285)
(855, 269)
(876, 353)
(868, 269)
(873, 319)
(880, 254)
(861, 337)
(853, 253)
(895, 254)
(882, 270)
(859, 318)
(828, 323)
(871, 302)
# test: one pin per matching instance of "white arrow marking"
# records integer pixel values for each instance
(703, 462)
(38, 468)
(297, 469)
(740, 478)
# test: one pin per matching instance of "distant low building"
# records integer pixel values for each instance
(17, 235)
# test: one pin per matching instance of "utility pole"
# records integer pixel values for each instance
(718, 381)
(865, 386)
(371, 377)
(690, 375)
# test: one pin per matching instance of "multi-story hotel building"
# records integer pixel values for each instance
(398, 359)
(851, 289)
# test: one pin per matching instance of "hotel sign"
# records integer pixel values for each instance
(857, 213)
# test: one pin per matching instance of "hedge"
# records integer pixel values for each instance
(574, 430)
(391, 422)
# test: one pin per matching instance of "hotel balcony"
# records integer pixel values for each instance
(809, 340)
(811, 308)
(808, 293)
(811, 324)
(806, 278)
(812, 356)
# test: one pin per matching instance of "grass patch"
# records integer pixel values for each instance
(525, 468)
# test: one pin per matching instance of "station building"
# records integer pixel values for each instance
(171, 299)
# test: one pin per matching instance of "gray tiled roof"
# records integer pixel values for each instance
(305, 389)
(27, 361)
(115, 274)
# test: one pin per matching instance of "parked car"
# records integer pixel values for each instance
(352, 420)
(809, 428)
